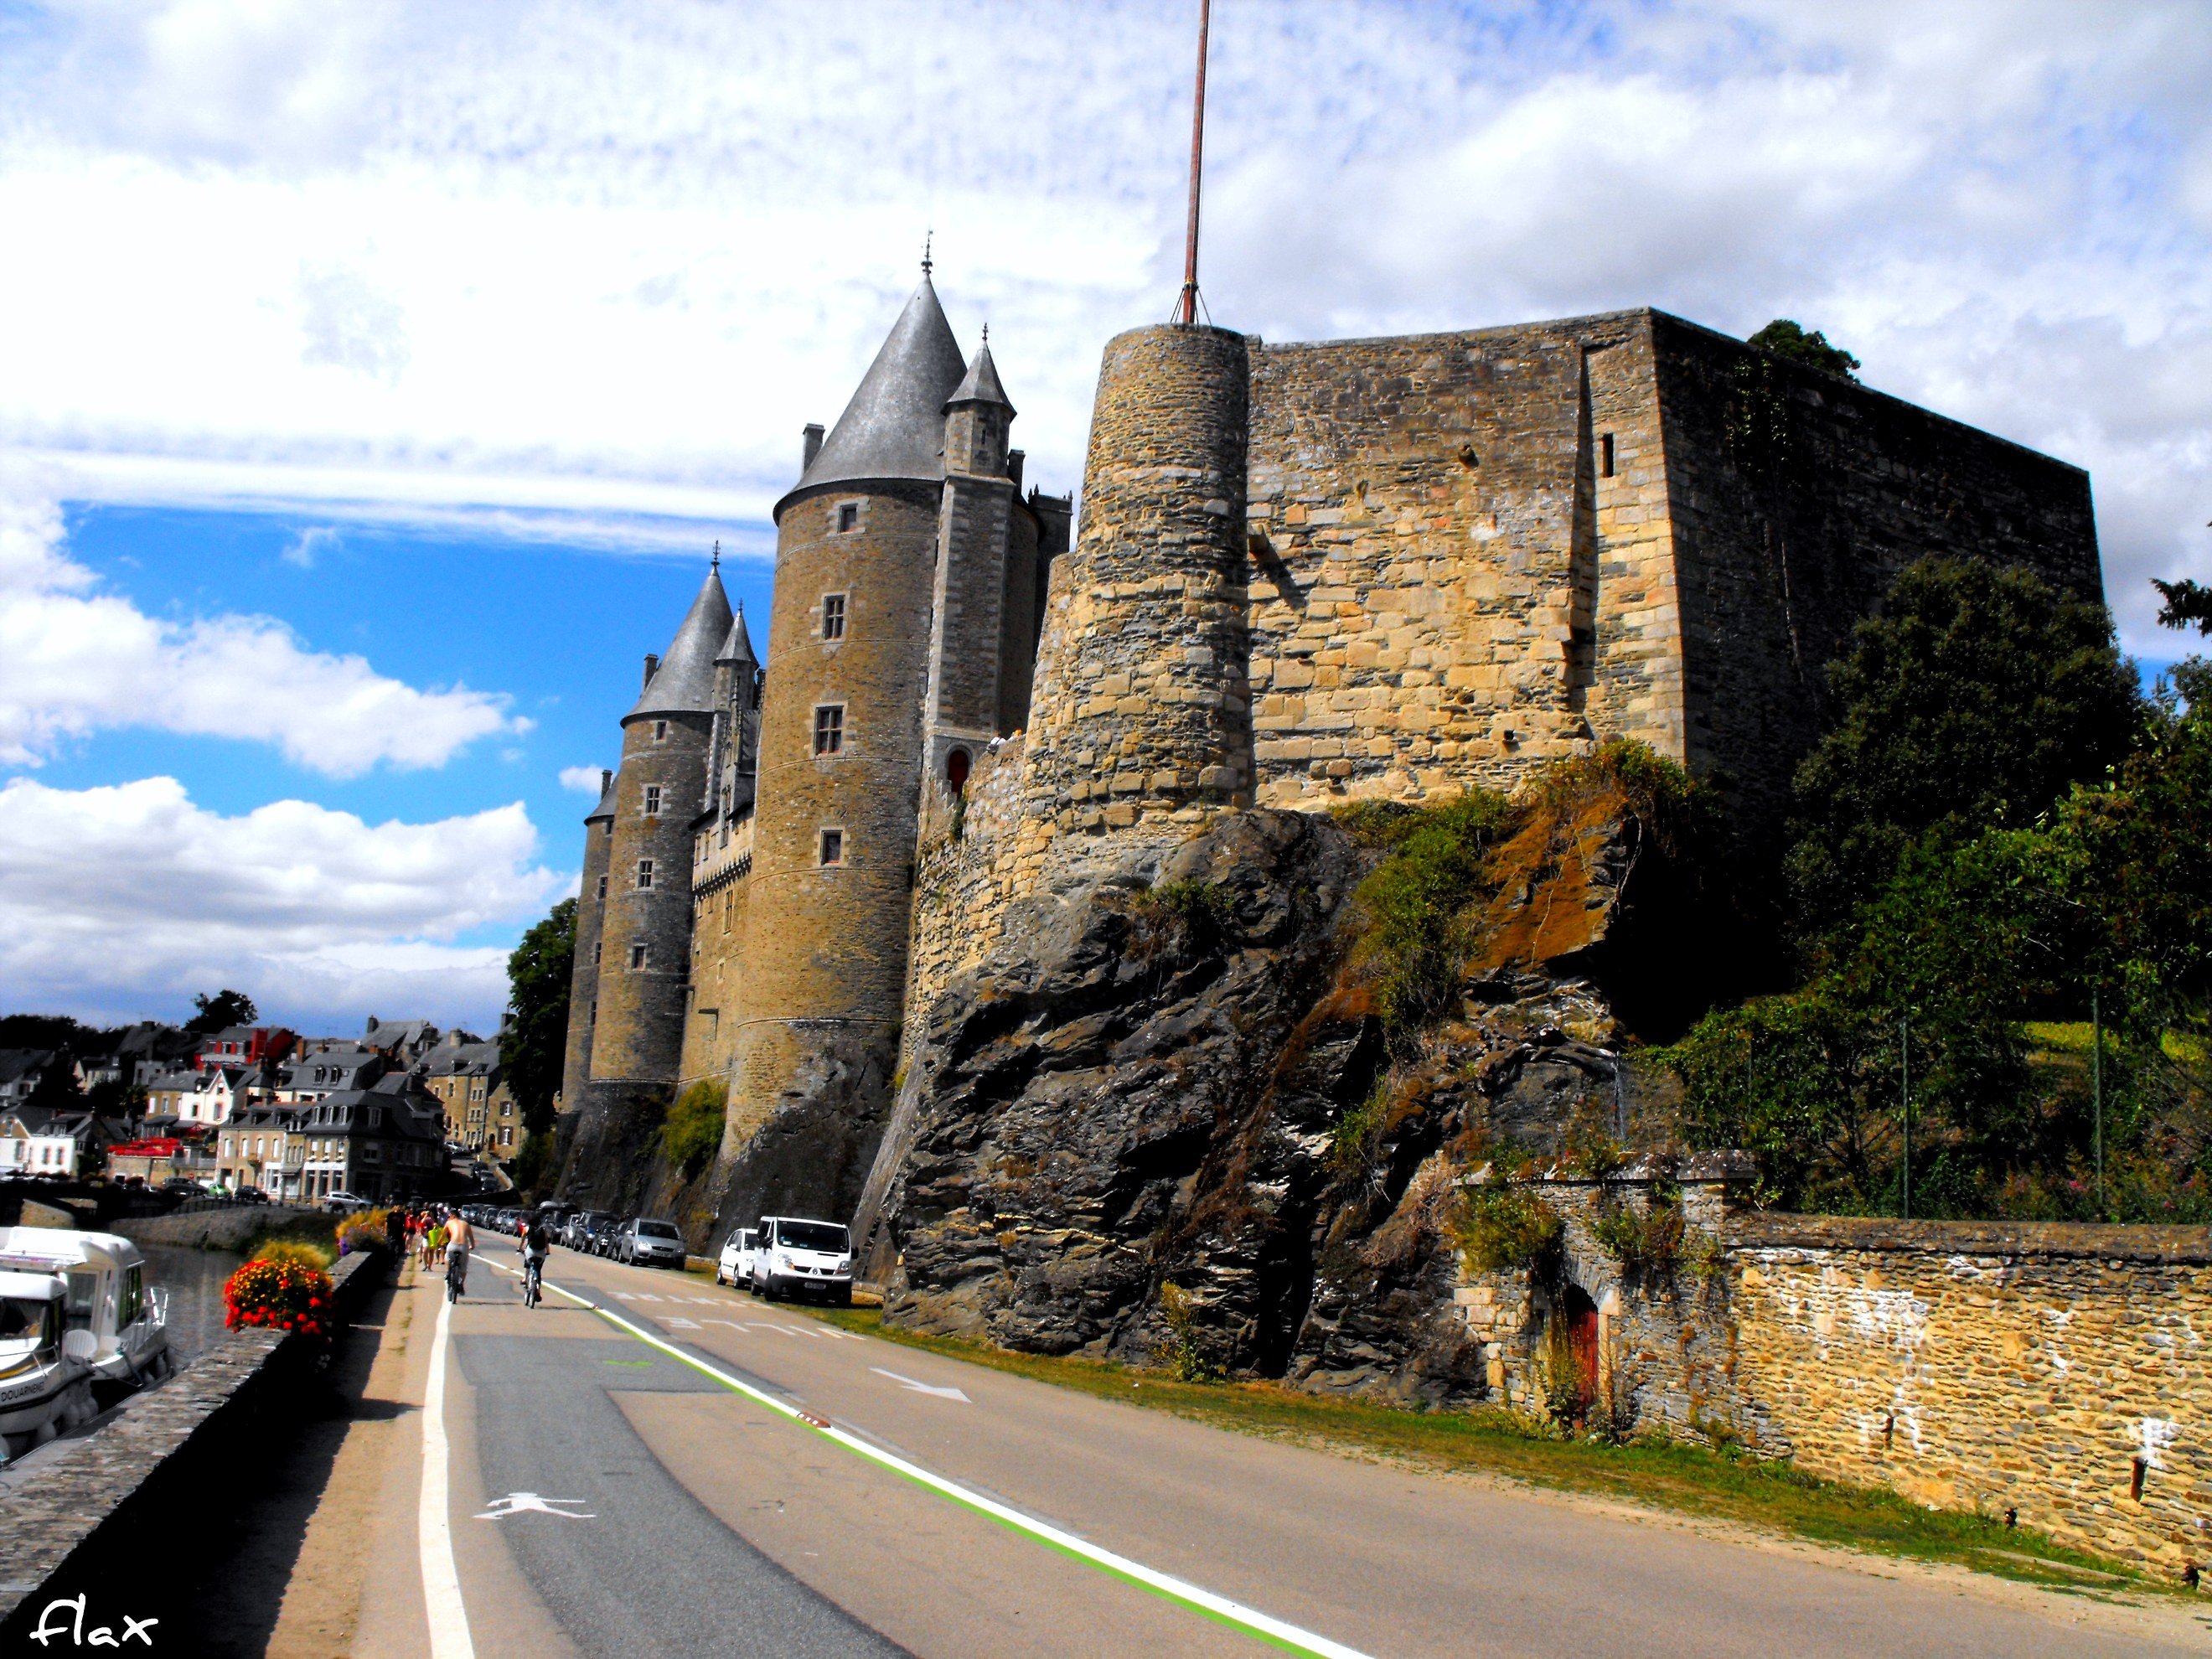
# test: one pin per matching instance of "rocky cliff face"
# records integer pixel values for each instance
(1171, 1073)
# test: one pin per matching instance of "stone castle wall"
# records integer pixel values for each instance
(1795, 499)
(2057, 1371)
(1462, 561)
(584, 970)
(974, 858)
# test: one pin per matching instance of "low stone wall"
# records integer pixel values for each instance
(2058, 1372)
(225, 1229)
(88, 1515)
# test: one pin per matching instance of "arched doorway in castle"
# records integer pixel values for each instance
(956, 770)
(1575, 1351)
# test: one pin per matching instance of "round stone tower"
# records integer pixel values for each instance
(1142, 710)
(637, 1038)
(584, 977)
(841, 735)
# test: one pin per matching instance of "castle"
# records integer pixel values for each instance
(1304, 574)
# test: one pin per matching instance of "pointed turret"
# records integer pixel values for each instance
(738, 646)
(684, 683)
(982, 385)
(894, 428)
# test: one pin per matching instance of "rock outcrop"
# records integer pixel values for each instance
(1172, 1072)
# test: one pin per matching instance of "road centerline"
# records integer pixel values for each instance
(1195, 1598)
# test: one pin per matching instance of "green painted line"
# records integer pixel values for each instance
(1250, 1621)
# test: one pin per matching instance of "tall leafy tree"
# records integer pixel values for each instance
(225, 1008)
(1788, 339)
(1973, 702)
(532, 1046)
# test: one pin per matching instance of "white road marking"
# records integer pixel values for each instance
(441, 1579)
(1195, 1597)
(922, 1388)
(529, 1502)
(676, 1324)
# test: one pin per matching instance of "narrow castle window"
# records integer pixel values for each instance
(598, 948)
(652, 801)
(848, 516)
(637, 957)
(659, 731)
(956, 770)
(833, 615)
(829, 728)
(833, 848)
(609, 827)
(644, 874)
(1605, 456)
(603, 887)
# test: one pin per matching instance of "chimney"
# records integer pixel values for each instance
(651, 667)
(606, 780)
(1014, 459)
(810, 444)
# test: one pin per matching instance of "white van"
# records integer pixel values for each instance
(795, 1256)
(734, 1267)
(45, 1380)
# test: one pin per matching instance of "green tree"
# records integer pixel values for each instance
(225, 1008)
(1787, 340)
(1972, 702)
(2188, 605)
(534, 1044)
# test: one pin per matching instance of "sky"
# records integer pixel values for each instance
(375, 379)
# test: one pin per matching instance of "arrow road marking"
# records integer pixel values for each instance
(922, 1388)
(521, 1503)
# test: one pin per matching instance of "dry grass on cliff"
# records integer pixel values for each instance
(1688, 1480)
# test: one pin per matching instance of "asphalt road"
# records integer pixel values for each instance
(690, 1471)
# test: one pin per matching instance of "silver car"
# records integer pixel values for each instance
(644, 1243)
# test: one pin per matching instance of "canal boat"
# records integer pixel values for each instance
(103, 1277)
(45, 1369)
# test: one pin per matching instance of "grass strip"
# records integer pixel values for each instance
(1689, 1479)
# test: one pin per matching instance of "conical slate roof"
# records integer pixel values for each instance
(981, 385)
(738, 646)
(605, 809)
(685, 683)
(894, 428)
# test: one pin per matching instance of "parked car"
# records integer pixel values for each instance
(343, 1203)
(794, 1255)
(735, 1264)
(599, 1239)
(577, 1235)
(648, 1243)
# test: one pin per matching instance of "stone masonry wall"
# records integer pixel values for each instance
(2057, 1371)
(1462, 561)
(2061, 1371)
(964, 877)
(1795, 498)
(1141, 712)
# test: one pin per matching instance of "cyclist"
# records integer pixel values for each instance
(460, 1239)
(537, 1245)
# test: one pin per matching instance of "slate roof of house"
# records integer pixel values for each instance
(684, 683)
(16, 1064)
(894, 426)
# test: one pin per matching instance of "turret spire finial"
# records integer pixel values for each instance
(927, 237)
(986, 334)
(715, 564)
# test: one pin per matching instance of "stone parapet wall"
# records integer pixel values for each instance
(2058, 1372)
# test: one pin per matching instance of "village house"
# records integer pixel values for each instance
(380, 1142)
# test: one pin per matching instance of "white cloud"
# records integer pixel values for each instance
(584, 780)
(572, 261)
(126, 899)
(74, 658)
(309, 545)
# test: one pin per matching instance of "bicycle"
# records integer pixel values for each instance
(534, 1267)
(457, 1274)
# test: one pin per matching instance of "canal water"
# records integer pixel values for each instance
(194, 1280)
